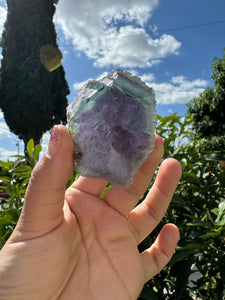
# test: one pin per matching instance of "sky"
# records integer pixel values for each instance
(169, 44)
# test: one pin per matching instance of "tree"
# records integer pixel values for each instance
(208, 110)
(32, 98)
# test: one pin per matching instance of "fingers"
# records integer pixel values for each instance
(124, 200)
(44, 200)
(159, 254)
(145, 217)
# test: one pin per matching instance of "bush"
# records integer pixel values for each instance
(15, 175)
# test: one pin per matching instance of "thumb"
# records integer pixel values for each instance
(44, 199)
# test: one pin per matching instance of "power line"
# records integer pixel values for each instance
(157, 32)
(191, 26)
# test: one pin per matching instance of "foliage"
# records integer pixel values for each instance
(208, 110)
(198, 209)
(31, 98)
(15, 175)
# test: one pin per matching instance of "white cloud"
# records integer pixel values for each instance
(44, 142)
(188, 85)
(4, 131)
(6, 154)
(3, 14)
(78, 85)
(147, 77)
(178, 90)
(114, 33)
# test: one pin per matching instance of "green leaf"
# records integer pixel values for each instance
(182, 254)
(184, 268)
(199, 223)
(6, 179)
(21, 169)
(36, 152)
(215, 156)
(178, 200)
(30, 147)
(210, 235)
(192, 177)
(221, 223)
(108, 188)
(5, 165)
(187, 250)
(221, 212)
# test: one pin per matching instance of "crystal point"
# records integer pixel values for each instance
(112, 122)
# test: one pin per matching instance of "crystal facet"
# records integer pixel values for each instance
(112, 122)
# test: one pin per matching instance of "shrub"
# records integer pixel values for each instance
(15, 175)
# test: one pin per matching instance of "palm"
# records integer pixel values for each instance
(108, 264)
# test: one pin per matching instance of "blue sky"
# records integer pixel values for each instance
(168, 43)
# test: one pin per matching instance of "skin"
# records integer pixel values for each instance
(73, 245)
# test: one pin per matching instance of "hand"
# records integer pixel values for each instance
(73, 245)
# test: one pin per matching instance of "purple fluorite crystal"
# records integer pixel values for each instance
(112, 122)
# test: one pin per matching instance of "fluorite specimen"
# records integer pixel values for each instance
(112, 122)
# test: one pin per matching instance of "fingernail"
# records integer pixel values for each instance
(54, 142)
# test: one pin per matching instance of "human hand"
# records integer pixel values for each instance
(73, 245)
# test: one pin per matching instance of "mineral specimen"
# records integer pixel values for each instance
(112, 122)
